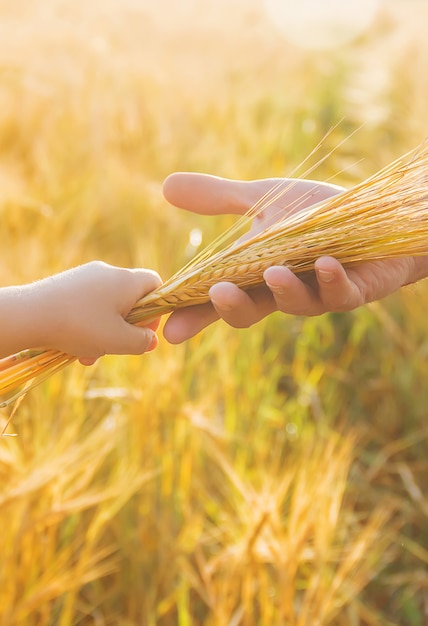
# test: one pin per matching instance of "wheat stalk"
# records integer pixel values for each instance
(383, 217)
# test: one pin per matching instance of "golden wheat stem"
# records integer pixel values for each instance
(383, 217)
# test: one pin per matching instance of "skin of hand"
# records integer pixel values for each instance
(80, 312)
(330, 288)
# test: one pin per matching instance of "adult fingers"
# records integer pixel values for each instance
(212, 195)
(291, 294)
(239, 308)
(336, 290)
(188, 322)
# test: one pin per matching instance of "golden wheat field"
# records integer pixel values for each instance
(273, 476)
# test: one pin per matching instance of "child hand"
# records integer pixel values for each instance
(82, 312)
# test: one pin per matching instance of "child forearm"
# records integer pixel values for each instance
(21, 322)
(80, 312)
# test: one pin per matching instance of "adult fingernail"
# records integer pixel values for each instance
(221, 306)
(276, 289)
(325, 276)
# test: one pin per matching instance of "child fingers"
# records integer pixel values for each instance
(130, 339)
(123, 339)
(147, 280)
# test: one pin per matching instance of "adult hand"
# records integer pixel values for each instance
(329, 288)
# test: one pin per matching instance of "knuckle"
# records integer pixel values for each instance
(343, 302)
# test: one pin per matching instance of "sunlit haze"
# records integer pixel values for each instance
(316, 24)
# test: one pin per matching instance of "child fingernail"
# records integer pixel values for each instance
(154, 340)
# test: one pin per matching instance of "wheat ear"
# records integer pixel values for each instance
(383, 217)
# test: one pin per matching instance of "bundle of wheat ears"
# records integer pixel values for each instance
(383, 217)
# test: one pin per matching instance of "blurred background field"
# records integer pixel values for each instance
(274, 476)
